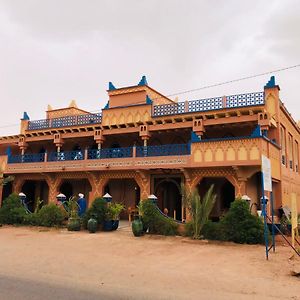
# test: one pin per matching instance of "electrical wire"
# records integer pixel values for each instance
(206, 86)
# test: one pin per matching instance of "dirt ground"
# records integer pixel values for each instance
(38, 263)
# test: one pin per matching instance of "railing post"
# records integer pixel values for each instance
(186, 106)
(134, 151)
(85, 153)
(224, 101)
(45, 156)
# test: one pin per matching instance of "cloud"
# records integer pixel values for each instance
(54, 51)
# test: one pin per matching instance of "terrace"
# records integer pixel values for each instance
(200, 105)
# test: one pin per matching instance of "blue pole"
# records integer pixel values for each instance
(265, 215)
(273, 227)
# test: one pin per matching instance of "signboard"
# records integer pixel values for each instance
(266, 170)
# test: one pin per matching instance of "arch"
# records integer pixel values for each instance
(224, 190)
(34, 189)
(167, 190)
(126, 191)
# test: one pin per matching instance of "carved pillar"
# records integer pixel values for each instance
(53, 183)
(17, 185)
(143, 180)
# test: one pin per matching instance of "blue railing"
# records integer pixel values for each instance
(65, 121)
(163, 150)
(26, 158)
(233, 101)
(66, 155)
(110, 153)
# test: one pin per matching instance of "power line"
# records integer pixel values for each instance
(234, 80)
(205, 87)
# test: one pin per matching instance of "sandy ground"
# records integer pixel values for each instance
(43, 264)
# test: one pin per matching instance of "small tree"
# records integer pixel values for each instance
(199, 210)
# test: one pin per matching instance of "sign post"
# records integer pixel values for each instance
(294, 218)
(266, 185)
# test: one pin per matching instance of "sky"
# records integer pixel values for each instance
(54, 51)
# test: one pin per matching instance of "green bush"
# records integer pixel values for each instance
(12, 210)
(97, 211)
(50, 215)
(31, 219)
(240, 226)
(155, 221)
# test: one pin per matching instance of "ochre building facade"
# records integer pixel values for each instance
(144, 143)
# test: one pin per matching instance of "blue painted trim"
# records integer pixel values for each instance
(271, 82)
(256, 132)
(148, 100)
(25, 116)
(143, 81)
(106, 105)
(111, 87)
(194, 137)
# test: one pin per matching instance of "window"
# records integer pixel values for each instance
(283, 147)
(291, 154)
(296, 155)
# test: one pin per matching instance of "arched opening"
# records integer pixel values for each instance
(169, 199)
(34, 190)
(125, 191)
(224, 191)
(67, 189)
(72, 187)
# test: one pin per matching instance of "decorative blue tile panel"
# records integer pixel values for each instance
(110, 153)
(26, 158)
(66, 155)
(205, 104)
(245, 100)
(38, 124)
(163, 150)
(168, 109)
(65, 121)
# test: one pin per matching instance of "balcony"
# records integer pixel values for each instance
(162, 156)
(225, 152)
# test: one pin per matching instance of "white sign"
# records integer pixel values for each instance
(266, 170)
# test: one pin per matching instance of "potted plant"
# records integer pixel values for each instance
(92, 224)
(137, 226)
(74, 223)
(112, 216)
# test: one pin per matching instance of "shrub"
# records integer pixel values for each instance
(31, 219)
(12, 210)
(50, 215)
(155, 221)
(113, 211)
(240, 226)
(97, 210)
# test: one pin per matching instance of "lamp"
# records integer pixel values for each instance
(61, 197)
(246, 198)
(107, 197)
(153, 198)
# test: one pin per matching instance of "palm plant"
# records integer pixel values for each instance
(5, 180)
(198, 209)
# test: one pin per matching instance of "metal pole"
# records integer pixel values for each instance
(273, 228)
(265, 215)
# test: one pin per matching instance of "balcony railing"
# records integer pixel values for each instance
(106, 153)
(110, 153)
(66, 155)
(233, 101)
(164, 150)
(26, 158)
(65, 121)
